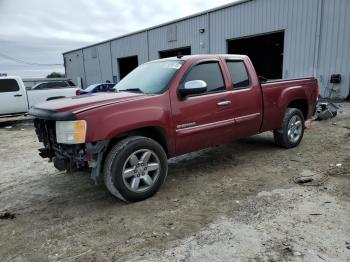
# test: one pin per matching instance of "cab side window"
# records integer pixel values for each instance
(56, 85)
(41, 86)
(8, 85)
(61, 84)
(239, 74)
(209, 72)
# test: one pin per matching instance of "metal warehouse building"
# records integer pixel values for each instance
(284, 38)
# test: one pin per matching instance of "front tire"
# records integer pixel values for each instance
(135, 168)
(292, 130)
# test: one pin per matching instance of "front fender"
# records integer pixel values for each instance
(107, 122)
(135, 119)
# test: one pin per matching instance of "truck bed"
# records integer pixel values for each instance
(274, 94)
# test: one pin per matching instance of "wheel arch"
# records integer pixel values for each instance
(156, 133)
(300, 104)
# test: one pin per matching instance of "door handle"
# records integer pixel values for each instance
(224, 103)
(18, 95)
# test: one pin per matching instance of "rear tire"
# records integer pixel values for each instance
(292, 130)
(135, 168)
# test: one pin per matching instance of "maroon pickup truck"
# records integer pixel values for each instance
(166, 108)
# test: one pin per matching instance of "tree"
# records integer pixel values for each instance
(54, 75)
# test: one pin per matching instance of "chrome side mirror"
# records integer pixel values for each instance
(193, 87)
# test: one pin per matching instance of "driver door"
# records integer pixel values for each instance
(205, 119)
(12, 98)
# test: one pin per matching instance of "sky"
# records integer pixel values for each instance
(37, 32)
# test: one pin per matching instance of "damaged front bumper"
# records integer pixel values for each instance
(70, 157)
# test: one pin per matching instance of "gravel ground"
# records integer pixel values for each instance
(236, 202)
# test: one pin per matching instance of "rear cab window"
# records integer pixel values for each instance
(8, 85)
(209, 72)
(239, 74)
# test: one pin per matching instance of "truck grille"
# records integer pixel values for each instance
(46, 131)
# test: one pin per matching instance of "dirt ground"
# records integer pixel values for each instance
(236, 202)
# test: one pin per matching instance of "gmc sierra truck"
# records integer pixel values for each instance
(167, 108)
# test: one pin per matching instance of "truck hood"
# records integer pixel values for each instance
(82, 103)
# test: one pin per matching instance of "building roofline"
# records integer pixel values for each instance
(163, 24)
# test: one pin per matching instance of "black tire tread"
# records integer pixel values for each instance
(280, 134)
(110, 158)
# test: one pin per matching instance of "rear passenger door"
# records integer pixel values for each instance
(205, 119)
(246, 99)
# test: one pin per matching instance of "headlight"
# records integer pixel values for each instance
(71, 132)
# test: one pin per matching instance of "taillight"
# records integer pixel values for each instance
(317, 90)
(77, 93)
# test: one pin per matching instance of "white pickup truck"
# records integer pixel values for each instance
(16, 100)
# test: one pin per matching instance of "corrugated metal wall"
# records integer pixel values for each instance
(97, 62)
(334, 48)
(129, 46)
(74, 65)
(297, 18)
(317, 39)
(187, 35)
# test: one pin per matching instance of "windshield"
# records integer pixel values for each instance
(150, 78)
(91, 87)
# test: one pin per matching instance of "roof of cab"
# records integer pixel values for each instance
(202, 56)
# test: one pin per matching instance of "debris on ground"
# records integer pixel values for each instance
(339, 169)
(7, 215)
(308, 124)
(303, 180)
(325, 110)
(309, 178)
(347, 244)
